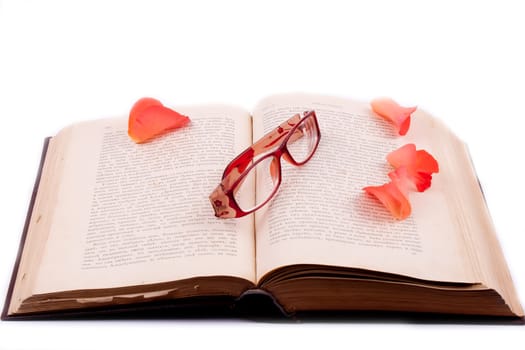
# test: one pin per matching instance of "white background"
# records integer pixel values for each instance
(62, 62)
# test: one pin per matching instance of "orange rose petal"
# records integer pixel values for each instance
(418, 165)
(394, 113)
(403, 156)
(149, 118)
(392, 198)
(411, 180)
(402, 178)
(419, 160)
(143, 104)
(426, 162)
(413, 168)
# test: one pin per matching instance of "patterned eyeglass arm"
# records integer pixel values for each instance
(266, 143)
(221, 204)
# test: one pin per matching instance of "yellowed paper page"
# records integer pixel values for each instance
(131, 214)
(321, 215)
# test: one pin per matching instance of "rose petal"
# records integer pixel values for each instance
(405, 155)
(394, 113)
(149, 118)
(417, 165)
(419, 160)
(425, 162)
(143, 104)
(392, 198)
(413, 172)
(410, 180)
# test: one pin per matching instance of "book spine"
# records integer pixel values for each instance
(9, 294)
(257, 303)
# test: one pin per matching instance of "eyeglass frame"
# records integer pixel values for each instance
(223, 196)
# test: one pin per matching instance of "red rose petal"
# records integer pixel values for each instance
(392, 198)
(394, 113)
(149, 118)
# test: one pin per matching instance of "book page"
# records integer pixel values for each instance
(479, 232)
(321, 215)
(132, 214)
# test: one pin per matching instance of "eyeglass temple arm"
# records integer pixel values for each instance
(266, 143)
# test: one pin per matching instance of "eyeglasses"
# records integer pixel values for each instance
(295, 140)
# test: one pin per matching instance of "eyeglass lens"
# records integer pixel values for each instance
(267, 171)
(302, 143)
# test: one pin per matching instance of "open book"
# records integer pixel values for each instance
(117, 225)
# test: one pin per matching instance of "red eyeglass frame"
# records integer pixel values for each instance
(222, 198)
